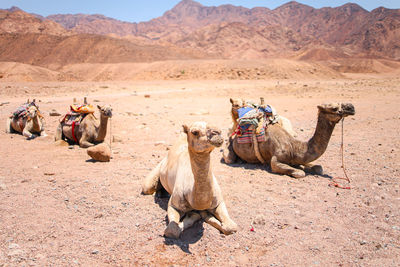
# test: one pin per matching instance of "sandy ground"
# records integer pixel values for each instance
(58, 208)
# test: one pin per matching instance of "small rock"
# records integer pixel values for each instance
(101, 152)
(159, 143)
(13, 246)
(117, 138)
(4, 103)
(96, 100)
(147, 96)
(54, 112)
(95, 252)
(200, 112)
(71, 147)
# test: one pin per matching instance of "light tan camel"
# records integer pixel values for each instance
(186, 174)
(284, 153)
(238, 103)
(90, 131)
(31, 125)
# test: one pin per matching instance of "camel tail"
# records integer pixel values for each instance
(152, 180)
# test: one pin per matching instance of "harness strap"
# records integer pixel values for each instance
(73, 132)
(256, 148)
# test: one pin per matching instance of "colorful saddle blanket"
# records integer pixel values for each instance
(257, 116)
(23, 110)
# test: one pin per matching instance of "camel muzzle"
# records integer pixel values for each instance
(215, 138)
(348, 109)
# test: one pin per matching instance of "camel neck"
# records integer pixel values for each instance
(102, 132)
(317, 145)
(203, 179)
(36, 123)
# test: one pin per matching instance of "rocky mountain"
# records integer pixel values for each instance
(191, 30)
(15, 20)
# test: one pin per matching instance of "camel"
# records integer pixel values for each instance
(238, 103)
(89, 132)
(30, 125)
(287, 155)
(186, 174)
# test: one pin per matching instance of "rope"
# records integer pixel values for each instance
(110, 134)
(346, 178)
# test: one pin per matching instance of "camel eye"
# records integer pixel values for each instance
(195, 132)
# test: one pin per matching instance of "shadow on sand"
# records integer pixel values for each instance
(189, 236)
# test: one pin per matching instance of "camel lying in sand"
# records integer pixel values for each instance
(238, 103)
(186, 174)
(30, 125)
(283, 152)
(91, 131)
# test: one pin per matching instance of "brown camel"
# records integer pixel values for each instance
(187, 176)
(238, 103)
(89, 132)
(31, 125)
(283, 152)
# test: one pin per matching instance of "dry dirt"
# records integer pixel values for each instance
(58, 208)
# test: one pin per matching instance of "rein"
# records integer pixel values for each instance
(110, 134)
(346, 178)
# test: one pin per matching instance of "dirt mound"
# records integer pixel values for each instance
(322, 54)
(202, 70)
(364, 65)
(17, 72)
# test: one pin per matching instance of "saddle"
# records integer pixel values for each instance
(256, 118)
(22, 111)
(75, 116)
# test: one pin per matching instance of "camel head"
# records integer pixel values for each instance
(237, 103)
(105, 111)
(334, 112)
(32, 112)
(203, 138)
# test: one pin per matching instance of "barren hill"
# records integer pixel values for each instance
(348, 27)
(18, 21)
(55, 51)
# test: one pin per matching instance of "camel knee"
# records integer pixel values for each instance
(173, 230)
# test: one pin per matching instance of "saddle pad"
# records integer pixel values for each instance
(246, 137)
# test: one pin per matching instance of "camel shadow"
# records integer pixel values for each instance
(190, 236)
(257, 166)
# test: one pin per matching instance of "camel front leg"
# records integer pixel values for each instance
(282, 168)
(189, 220)
(228, 154)
(84, 143)
(27, 133)
(221, 221)
(9, 128)
(58, 135)
(173, 229)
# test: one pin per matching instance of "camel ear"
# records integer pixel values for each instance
(98, 107)
(231, 100)
(185, 128)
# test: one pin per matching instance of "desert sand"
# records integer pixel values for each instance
(58, 207)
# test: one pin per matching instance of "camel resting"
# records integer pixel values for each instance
(238, 103)
(27, 120)
(187, 176)
(90, 130)
(283, 152)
